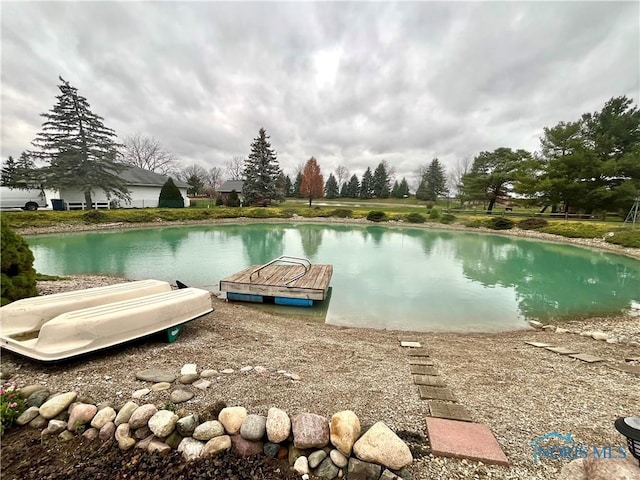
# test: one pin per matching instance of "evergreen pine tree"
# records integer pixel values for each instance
(366, 185)
(288, 187)
(403, 189)
(261, 172)
(353, 189)
(436, 180)
(344, 190)
(395, 190)
(331, 187)
(296, 186)
(80, 151)
(8, 174)
(421, 192)
(170, 196)
(380, 184)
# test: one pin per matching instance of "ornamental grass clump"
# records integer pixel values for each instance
(11, 406)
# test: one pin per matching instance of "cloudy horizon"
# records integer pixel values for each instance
(351, 84)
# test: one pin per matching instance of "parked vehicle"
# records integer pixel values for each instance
(24, 198)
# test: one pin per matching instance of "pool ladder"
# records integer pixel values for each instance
(303, 262)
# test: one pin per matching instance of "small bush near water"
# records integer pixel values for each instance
(376, 216)
(415, 218)
(532, 223)
(342, 213)
(447, 218)
(95, 216)
(625, 238)
(18, 275)
(499, 223)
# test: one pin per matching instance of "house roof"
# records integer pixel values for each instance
(231, 185)
(141, 177)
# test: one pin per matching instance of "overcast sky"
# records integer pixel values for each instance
(348, 83)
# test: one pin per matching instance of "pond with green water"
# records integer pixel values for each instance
(395, 278)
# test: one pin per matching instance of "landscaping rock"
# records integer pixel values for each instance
(301, 466)
(57, 405)
(125, 413)
(327, 470)
(81, 414)
(345, 430)
(190, 448)
(253, 427)
(107, 432)
(102, 417)
(316, 458)
(179, 395)
(216, 445)
(232, 419)
(278, 425)
(186, 425)
(163, 423)
(363, 470)
(28, 415)
(310, 430)
(208, 430)
(140, 417)
(246, 448)
(380, 445)
(156, 375)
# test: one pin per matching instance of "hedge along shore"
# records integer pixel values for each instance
(594, 243)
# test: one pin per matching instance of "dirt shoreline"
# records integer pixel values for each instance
(520, 392)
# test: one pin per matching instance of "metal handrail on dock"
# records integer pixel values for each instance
(303, 262)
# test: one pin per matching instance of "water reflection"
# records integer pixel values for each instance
(406, 278)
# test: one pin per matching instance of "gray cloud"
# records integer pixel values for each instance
(349, 83)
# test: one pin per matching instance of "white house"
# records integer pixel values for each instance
(144, 189)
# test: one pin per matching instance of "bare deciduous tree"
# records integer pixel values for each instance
(454, 179)
(342, 175)
(214, 181)
(235, 168)
(196, 177)
(146, 152)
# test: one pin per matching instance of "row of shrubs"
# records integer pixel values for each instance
(618, 236)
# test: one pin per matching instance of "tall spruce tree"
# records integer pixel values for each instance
(381, 181)
(366, 185)
(331, 187)
(403, 189)
(261, 171)
(8, 175)
(395, 189)
(344, 190)
(296, 185)
(353, 188)
(435, 180)
(80, 152)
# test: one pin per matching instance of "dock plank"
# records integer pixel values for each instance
(272, 281)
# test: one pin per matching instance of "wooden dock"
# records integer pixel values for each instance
(279, 282)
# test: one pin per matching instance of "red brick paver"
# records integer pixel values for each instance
(474, 441)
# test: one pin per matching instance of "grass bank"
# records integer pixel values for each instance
(614, 232)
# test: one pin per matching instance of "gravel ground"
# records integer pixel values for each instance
(519, 392)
